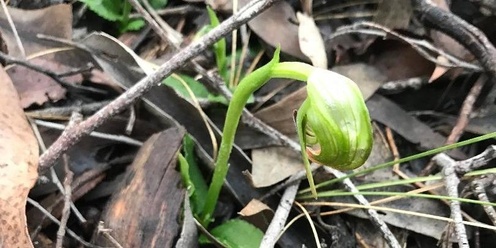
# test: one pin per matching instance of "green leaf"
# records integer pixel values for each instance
(219, 46)
(133, 25)
(108, 9)
(192, 176)
(196, 87)
(157, 4)
(237, 233)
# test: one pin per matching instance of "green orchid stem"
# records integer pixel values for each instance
(247, 86)
(292, 70)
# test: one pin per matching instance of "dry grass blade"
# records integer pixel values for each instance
(18, 166)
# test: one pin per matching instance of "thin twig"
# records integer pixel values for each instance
(55, 178)
(451, 184)
(478, 161)
(118, 138)
(467, 107)
(422, 46)
(374, 216)
(280, 216)
(67, 202)
(479, 190)
(55, 76)
(171, 35)
(14, 29)
(106, 233)
(179, 10)
(463, 118)
(69, 231)
(63, 113)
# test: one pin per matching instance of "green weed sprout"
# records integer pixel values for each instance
(333, 123)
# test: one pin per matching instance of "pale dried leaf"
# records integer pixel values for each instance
(37, 88)
(311, 42)
(18, 166)
(439, 70)
(273, 164)
(257, 213)
(254, 207)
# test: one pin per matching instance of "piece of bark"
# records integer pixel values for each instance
(145, 209)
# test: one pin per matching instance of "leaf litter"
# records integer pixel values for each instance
(421, 117)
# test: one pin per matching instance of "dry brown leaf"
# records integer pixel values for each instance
(277, 28)
(18, 166)
(35, 87)
(273, 164)
(310, 40)
(257, 213)
(397, 60)
(55, 20)
(394, 14)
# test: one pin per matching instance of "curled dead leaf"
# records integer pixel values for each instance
(18, 166)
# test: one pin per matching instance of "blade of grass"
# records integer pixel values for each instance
(406, 159)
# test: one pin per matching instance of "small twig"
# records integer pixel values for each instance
(55, 179)
(374, 216)
(14, 29)
(463, 118)
(479, 190)
(63, 113)
(55, 76)
(451, 184)
(106, 233)
(422, 46)
(476, 161)
(280, 216)
(179, 10)
(75, 71)
(67, 202)
(131, 121)
(118, 138)
(467, 107)
(393, 87)
(163, 29)
(57, 222)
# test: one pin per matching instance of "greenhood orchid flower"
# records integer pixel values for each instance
(333, 123)
(336, 120)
